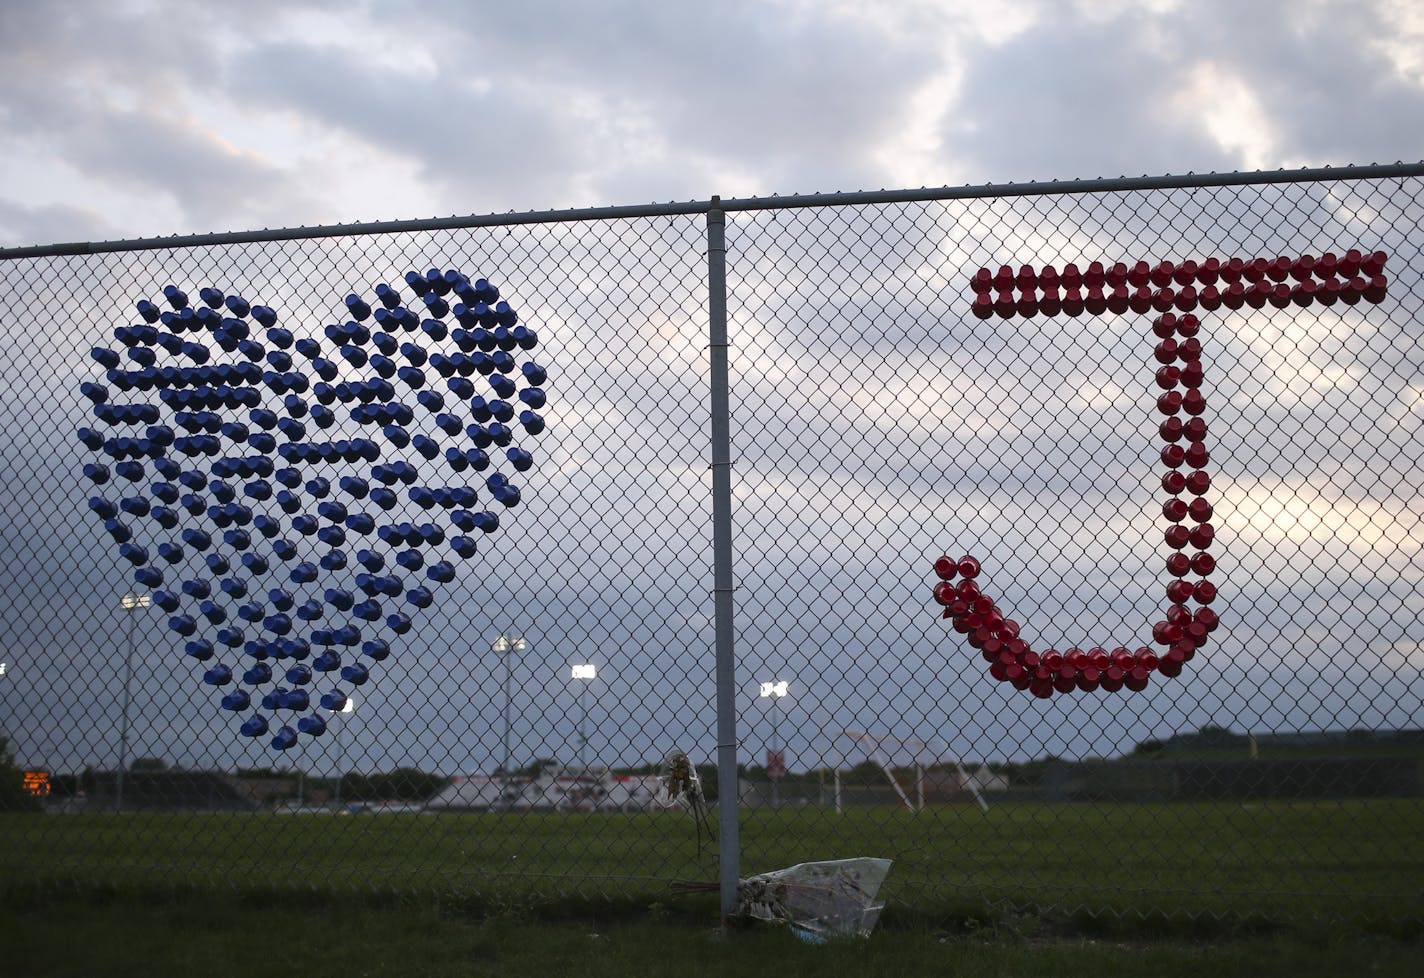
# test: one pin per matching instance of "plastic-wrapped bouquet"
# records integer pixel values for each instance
(818, 900)
(682, 786)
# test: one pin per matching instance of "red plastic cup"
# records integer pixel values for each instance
(1051, 303)
(1174, 482)
(1194, 429)
(1168, 667)
(1088, 680)
(1171, 431)
(968, 590)
(1192, 374)
(1207, 618)
(983, 306)
(1099, 659)
(1198, 483)
(958, 608)
(1235, 296)
(1026, 279)
(1051, 660)
(1065, 684)
(1193, 402)
(944, 593)
(1232, 270)
(1073, 303)
(1004, 279)
(1165, 325)
(1255, 270)
(1004, 304)
(1164, 298)
(1209, 271)
(1071, 277)
(1027, 304)
(1117, 275)
(1179, 565)
(1166, 351)
(1327, 293)
(1140, 301)
(1048, 278)
(1188, 325)
(1176, 536)
(1375, 291)
(1189, 349)
(1112, 680)
(1118, 300)
(1162, 274)
(1259, 292)
(945, 568)
(1170, 403)
(1146, 659)
(1326, 265)
(1042, 688)
(1351, 291)
(1202, 535)
(1186, 273)
(1179, 615)
(1203, 564)
(1133, 681)
(1374, 265)
(1302, 268)
(1278, 269)
(1197, 456)
(1139, 275)
(1210, 298)
(1173, 456)
(1199, 510)
(1095, 276)
(1021, 681)
(969, 569)
(1186, 299)
(1179, 591)
(982, 282)
(1350, 264)
(1280, 296)
(1165, 633)
(1095, 302)
(1167, 377)
(999, 671)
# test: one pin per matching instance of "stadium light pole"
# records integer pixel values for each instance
(506, 645)
(585, 673)
(131, 603)
(345, 712)
(774, 691)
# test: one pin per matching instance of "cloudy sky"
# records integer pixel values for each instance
(146, 117)
(870, 418)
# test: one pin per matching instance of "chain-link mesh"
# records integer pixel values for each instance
(1129, 744)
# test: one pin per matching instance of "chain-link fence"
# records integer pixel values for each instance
(414, 525)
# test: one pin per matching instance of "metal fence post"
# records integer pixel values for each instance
(722, 557)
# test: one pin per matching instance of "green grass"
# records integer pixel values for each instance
(112, 934)
(1106, 871)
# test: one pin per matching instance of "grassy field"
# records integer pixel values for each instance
(78, 936)
(1107, 870)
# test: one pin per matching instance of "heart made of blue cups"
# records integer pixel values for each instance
(274, 542)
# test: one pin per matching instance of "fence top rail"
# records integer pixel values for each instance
(673, 208)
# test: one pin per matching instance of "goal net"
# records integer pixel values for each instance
(909, 765)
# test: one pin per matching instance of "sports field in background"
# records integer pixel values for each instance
(1275, 864)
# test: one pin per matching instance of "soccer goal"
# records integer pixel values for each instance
(905, 754)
